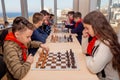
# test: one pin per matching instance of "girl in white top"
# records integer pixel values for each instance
(103, 49)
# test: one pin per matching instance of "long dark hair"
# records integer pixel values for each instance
(105, 32)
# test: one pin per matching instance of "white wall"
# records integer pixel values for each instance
(84, 7)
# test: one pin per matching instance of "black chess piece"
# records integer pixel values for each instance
(68, 39)
(64, 36)
(68, 64)
(73, 66)
(59, 57)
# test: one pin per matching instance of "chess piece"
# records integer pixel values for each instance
(52, 38)
(42, 65)
(59, 57)
(37, 65)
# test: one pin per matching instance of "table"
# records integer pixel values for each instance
(82, 74)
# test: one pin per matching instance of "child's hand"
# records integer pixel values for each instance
(45, 47)
(30, 58)
(85, 34)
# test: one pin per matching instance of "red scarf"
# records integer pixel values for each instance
(78, 22)
(10, 36)
(91, 45)
(71, 20)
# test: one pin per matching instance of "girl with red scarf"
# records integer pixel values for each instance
(103, 51)
(16, 45)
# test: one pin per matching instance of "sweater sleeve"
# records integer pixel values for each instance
(78, 29)
(39, 36)
(100, 59)
(14, 65)
(34, 44)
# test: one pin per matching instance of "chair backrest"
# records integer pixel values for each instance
(3, 68)
(2, 37)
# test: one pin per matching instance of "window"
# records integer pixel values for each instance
(33, 6)
(115, 11)
(104, 7)
(1, 15)
(111, 9)
(13, 9)
(62, 8)
(49, 5)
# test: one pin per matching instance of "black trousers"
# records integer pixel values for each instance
(3, 67)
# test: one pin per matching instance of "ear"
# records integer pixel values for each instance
(17, 34)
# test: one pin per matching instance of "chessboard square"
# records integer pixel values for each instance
(49, 62)
(50, 58)
(58, 62)
(54, 54)
(51, 53)
(63, 60)
(58, 67)
(58, 58)
(63, 64)
(53, 67)
(62, 54)
(53, 64)
(63, 67)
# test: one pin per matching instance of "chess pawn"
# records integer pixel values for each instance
(52, 37)
(43, 65)
(54, 29)
(37, 65)
(39, 59)
(55, 38)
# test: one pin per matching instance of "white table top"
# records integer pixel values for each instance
(82, 74)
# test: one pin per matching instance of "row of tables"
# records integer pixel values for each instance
(82, 74)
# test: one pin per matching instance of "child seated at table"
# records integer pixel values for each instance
(16, 44)
(45, 28)
(78, 26)
(70, 23)
(103, 51)
(37, 35)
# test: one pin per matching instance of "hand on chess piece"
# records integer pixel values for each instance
(45, 47)
(30, 59)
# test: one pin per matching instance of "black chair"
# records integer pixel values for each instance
(3, 68)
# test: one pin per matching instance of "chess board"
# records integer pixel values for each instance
(57, 61)
(59, 38)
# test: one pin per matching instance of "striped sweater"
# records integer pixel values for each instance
(13, 59)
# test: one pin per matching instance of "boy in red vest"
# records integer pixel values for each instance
(78, 26)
